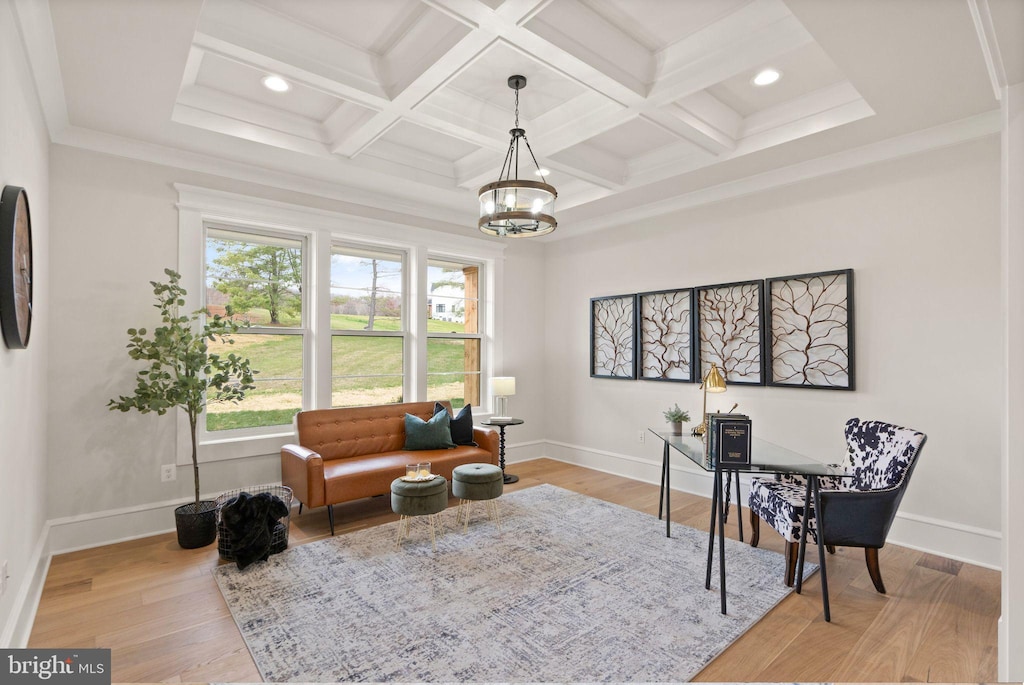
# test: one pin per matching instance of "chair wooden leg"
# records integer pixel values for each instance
(871, 557)
(831, 549)
(755, 528)
(792, 550)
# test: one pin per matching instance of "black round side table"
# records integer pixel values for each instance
(500, 425)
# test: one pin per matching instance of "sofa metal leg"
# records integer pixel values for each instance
(330, 516)
(871, 557)
(300, 508)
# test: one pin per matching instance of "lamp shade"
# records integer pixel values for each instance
(503, 385)
(713, 382)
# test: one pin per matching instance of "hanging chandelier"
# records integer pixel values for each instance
(514, 208)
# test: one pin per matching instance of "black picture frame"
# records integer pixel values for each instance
(730, 331)
(613, 337)
(665, 332)
(805, 312)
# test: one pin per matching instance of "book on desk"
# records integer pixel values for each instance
(728, 440)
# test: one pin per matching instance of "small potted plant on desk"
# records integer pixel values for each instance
(676, 417)
(182, 372)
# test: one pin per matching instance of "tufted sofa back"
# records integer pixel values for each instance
(880, 454)
(355, 431)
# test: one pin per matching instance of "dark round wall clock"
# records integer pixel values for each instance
(15, 267)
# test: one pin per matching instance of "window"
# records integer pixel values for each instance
(341, 311)
(256, 278)
(368, 327)
(453, 332)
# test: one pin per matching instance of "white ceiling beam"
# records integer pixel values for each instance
(981, 14)
(246, 130)
(741, 42)
(829, 98)
(700, 119)
(328, 80)
(579, 31)
(251, 113)
(603, 169)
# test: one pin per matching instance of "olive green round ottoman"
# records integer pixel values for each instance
(477, 483)
(418, 498)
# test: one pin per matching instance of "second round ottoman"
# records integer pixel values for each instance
(477, 483)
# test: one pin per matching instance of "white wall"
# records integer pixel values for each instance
(922, 235)
(115, 228)
(23, 390)
(1011, 622)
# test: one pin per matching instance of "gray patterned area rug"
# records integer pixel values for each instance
(571, 589)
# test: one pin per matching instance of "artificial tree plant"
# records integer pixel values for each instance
(181, 371)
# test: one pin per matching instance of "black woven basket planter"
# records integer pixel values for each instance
(279, 538)
(197, 525)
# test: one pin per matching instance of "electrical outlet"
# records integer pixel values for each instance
(168, 472)
(641, 436)
(3, 579)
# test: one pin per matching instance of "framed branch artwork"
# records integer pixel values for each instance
(613, 337)
(665, 331)
(810, 334)
(729, 331)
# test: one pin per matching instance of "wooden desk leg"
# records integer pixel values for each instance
(711, 532)
(668, 490)
(721, 537)
(664, 470)
(803, 536)
(821, 547)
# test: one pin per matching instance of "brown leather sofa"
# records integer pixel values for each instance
(354, 452)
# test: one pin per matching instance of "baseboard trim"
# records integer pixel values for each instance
(970, 544)
(23, 614)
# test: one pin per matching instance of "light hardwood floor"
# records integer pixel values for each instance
(158, 608)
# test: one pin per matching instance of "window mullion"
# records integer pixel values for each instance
(320, 322)
(417, 341)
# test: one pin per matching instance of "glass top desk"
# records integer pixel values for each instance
(766, 458)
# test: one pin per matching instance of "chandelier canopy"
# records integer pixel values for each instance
(514, 208)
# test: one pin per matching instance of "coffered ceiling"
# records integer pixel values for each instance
(403, 106)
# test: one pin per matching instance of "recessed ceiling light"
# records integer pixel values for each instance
(276, 84)
(542, 172)
(766, 77)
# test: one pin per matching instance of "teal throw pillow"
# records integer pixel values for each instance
(434, 434)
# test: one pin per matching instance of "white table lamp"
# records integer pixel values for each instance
(502, 387)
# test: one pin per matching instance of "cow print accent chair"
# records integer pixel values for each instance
(857, 509)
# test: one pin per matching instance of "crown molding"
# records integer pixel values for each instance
(35, 25)
(953, 133)
(363, 202)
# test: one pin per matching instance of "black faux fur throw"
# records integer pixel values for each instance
(251, 521)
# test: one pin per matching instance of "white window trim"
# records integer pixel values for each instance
(198, 206)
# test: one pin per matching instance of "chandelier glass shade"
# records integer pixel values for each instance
(511, 207)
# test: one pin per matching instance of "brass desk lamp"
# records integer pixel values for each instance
(713, 382)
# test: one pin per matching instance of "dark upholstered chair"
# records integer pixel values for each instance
(857, 510)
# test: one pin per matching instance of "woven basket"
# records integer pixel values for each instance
(279, 538)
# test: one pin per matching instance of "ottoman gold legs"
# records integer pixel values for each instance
(465, 509)
(403, 529)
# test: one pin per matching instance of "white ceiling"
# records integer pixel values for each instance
(635, 105)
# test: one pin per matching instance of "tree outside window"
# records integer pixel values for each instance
(256, 279)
